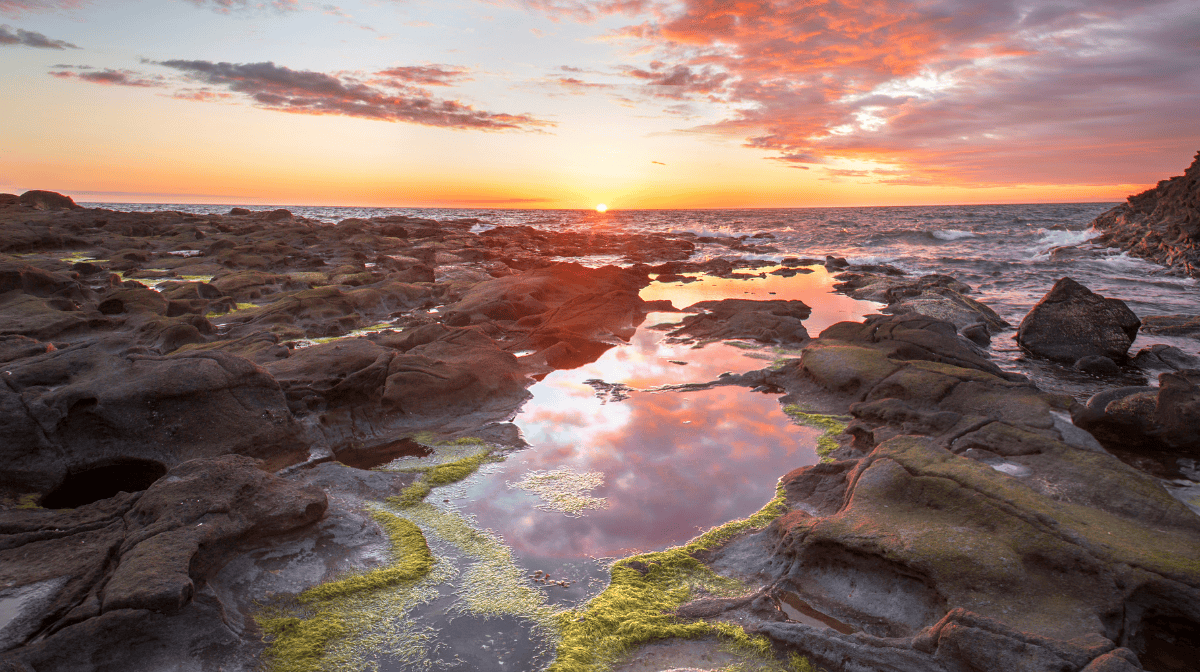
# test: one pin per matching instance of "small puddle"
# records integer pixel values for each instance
(361, 457)
(800, 611)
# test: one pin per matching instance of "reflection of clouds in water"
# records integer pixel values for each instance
(664, 480)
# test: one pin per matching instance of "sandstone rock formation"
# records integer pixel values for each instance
(1070, 322)
(1161, 224)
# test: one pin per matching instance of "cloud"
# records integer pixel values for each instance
(977, 92)
(228, 6)
(383, 96)
(107, 76)
(28, 38)
(579, 10)
(427, 75)
(22, 7)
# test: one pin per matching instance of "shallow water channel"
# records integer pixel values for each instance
(616, 465)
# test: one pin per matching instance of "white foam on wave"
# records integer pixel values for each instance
(951, 234)
(1060, 238)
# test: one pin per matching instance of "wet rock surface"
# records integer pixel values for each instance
(1161, 224)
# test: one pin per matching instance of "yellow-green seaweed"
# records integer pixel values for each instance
(638, 604)
(564, 490)
(330, 614)
(832, 424)
(413, 561)
(439, 474)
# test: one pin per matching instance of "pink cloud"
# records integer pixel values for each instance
(976, 92)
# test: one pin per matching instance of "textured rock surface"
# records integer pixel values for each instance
(958, 502)
(1160, 224)
(1072, 322)
(87, 579)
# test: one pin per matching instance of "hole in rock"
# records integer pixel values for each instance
(101, 482)
(1168, 644)
(800, 611)
(361, 457)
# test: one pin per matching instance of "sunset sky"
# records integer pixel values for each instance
(570, 103)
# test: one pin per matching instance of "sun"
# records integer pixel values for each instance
(601, 208)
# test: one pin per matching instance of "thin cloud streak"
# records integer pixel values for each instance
(107, 76)
(388, 95)
(17, 8)
(28, 38)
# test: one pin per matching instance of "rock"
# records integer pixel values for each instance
(1161, 224)
(47, 200)
(1165, 357)
(978, 334)
(1098, 365)
(135, 555)
(276, 215)
(1172, 325)
(9, 199)
(1177, 410)
(237, 212)
(778, 322)
(1071, 322)
(78, 407)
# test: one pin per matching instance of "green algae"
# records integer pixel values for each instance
(493, 584)
(413, 561)
(329, 626)
(564, 490)
(832, 424)
(638, 605)
(444, 473)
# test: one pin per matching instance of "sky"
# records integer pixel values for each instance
(571, 103)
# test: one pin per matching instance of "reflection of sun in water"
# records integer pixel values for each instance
(601, 208)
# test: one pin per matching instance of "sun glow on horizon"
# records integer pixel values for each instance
(601, 208)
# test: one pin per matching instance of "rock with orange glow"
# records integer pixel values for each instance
(1161, 224)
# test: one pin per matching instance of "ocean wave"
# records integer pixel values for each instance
(950, 234)
(1063, 238)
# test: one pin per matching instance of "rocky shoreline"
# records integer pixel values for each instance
(184, 392)
(1161, 224)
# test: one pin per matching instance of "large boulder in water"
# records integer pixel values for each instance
(1072, 322)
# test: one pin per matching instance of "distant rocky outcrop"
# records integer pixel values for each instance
(47, 200)
(1071, 323)
(1160, 224)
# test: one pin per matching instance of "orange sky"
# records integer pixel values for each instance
(567, 103)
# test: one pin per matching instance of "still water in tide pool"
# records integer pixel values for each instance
(667, 464)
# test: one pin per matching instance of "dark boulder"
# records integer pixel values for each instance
(1071, 322)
